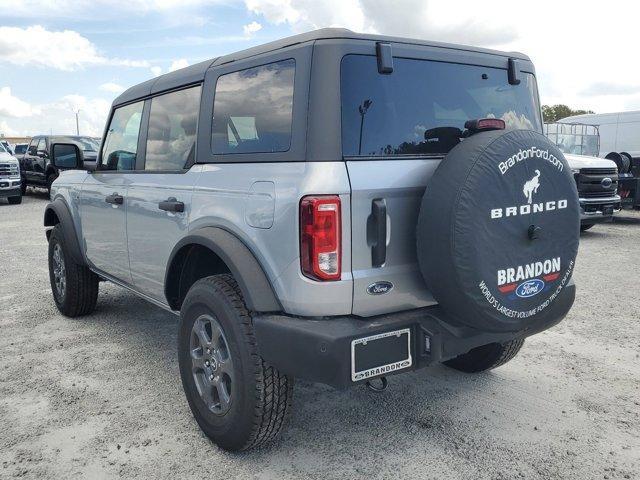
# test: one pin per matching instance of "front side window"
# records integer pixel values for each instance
(253, 109)
(42, 147)
(421, 108)
(121, 144)
(33, 146)
(173, 121)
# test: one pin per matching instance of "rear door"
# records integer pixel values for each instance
(396, 129)
(159, 192)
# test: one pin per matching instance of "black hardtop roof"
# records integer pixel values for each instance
(195, 73)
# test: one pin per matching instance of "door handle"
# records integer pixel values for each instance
(171, 204)
(378, 232)
(114, 199)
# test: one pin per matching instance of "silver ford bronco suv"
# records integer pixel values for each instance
(334, 207)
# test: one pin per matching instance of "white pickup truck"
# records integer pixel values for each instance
(596, 178)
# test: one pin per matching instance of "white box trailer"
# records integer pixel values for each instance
(619, 141)
(619, 132)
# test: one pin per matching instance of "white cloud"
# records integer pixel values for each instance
(63, 50)
(11, 106)
(581, 53)
(58, 117)
(251, 29)
(112, 87)
(156, 71)
(178, 64)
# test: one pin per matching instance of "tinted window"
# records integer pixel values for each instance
(172, 130)
(33, 146)
(121, 144)
(20, 149)
(422, 106)
(252, 109)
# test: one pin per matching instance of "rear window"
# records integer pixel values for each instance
(421, 108)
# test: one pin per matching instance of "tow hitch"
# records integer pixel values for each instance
(378, 389)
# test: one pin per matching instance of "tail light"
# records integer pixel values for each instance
(320, 237)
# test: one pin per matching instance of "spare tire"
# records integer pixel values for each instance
(498, 230)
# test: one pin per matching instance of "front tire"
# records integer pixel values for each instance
(15, 200)
(74, 286)
(237, 399)
(50, 179)
(584, 228)
(485, 357)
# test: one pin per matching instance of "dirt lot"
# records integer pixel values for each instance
(101, 397)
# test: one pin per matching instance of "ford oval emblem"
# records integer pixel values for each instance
(379, 288)
(606, 182)
(530, 288)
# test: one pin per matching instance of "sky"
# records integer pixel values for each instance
(58, 57)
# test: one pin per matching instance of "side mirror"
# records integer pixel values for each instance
(66, 156)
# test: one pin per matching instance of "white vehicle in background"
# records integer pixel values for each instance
(620, 142)
(7, 146)
(596, 178)
(10, 183)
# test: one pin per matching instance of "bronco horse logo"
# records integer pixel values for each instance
(531, 187)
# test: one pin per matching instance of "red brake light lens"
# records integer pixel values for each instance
(320, 237)
(485, 124)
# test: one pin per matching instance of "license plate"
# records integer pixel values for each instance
(608, 210)
(380, 354)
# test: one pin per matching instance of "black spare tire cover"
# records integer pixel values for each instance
(498, 230)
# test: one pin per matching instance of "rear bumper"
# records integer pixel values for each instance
(320, 350)
(597, 210)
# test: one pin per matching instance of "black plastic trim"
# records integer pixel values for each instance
(244, 267)
(62, 212)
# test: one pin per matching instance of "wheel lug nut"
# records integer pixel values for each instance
(211, 377)
(207, 363)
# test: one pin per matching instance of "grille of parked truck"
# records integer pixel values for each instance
(334, 207)
(10, 183)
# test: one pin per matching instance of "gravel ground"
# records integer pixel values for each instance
(101, 397)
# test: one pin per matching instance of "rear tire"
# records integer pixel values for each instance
(584, 228)
(15, 200)
(74, 286)
(23, 186)
(237, 399)
(485, 357)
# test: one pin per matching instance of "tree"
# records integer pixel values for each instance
(553, 113)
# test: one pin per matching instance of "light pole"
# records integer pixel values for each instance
(77, 122)
(363, 111)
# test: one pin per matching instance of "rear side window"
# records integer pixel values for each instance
(121, 144)
(173, 121)
(421, 108)
(252, 110)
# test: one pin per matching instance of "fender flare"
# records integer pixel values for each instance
(59, 208)
(244, 267)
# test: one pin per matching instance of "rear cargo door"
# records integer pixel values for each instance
(396, 129)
